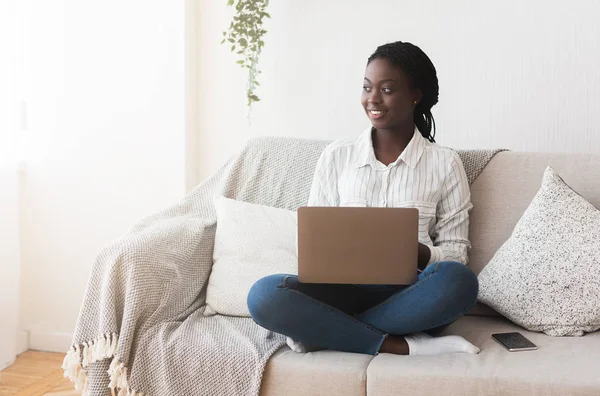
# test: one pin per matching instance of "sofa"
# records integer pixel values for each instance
(561, 366)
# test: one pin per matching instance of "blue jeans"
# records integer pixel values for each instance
(357, 318)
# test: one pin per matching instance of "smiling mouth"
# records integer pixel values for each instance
(376, 114)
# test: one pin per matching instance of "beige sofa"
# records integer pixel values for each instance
(561, 366)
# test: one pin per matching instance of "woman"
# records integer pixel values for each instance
(394, 163)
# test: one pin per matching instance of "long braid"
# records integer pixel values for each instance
(422, 75)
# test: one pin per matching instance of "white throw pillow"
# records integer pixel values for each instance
(251, 242)
(546, 276)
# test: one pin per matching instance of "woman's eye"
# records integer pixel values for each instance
(366, 89)
(386, 90)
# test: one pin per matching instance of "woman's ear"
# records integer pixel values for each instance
(417, 96)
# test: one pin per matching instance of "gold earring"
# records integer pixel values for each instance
(415, 102)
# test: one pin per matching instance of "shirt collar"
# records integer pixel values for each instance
(411, 154)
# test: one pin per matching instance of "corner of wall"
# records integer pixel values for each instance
(22, 341)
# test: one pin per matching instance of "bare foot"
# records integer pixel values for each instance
(394, 344)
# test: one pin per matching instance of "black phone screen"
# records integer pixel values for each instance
(513, 340)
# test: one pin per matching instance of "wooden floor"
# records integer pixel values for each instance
(36, 374)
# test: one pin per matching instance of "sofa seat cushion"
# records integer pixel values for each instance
(561, 366)
(317, 373)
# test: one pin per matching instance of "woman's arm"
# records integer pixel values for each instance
(450, 235)
(324, 191)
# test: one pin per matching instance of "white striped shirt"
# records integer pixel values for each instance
(425, 176)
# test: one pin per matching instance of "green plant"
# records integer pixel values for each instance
(245, 34)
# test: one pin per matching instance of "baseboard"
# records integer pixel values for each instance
(22, 341)
(50, 342)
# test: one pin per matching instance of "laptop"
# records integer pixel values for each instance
(356, 245)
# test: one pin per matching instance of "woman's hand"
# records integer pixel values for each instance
(424, 256)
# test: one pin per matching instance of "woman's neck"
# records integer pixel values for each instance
(392, 141)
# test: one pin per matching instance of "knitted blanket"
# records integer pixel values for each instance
(141, 328)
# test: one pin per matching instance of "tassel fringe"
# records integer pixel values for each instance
(80, 356)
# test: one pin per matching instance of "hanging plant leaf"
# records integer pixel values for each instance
(245, 31)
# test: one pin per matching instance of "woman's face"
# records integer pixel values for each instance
(387, 96)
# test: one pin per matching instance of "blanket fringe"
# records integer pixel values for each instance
(80, 356)
(119, 381)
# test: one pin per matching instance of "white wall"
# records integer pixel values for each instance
(516, 74)
(106, 115)
(9, 222)
(9, 265)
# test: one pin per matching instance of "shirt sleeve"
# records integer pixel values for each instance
(324, 189)
(450, 235)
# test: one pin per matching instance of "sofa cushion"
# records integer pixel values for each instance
(251, 242)
(546, 277)
(505, 188)
(317, 373)
(560, 367)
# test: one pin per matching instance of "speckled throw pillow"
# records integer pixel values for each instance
(546, 276)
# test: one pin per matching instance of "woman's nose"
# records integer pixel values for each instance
(374, 97)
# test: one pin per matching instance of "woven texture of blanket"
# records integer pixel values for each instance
(141, 331)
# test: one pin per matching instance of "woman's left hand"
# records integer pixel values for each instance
(424, 256)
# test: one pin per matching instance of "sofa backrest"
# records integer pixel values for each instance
(506, 186)
(281, 169)
(272, 171)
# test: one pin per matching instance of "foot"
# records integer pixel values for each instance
(426, 345)
(301, 347)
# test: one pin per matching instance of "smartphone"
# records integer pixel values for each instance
(514, 342)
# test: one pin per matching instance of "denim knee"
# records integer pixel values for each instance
(262, 297)
(464, 282)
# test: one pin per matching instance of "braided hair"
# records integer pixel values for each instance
(421, 74)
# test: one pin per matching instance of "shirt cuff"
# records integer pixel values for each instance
(437, 254)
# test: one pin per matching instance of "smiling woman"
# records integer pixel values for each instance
(400, 88)
(395, 163)
(405, 81)
(388, 96)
